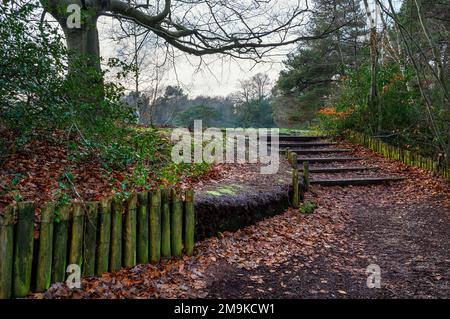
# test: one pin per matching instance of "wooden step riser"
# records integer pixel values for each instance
(320, 151)
(298, 138)
(329, 160)
(339, 169)
(356, 181)
(294, 146)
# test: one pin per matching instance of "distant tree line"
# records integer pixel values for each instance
(250, 106)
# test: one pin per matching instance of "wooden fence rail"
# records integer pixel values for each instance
(405, 156)
(97, 236)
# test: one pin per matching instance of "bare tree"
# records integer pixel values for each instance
(262, 84)
(374, 102)
(241, 29)
(255, 88)
(150, 58)
(417, 58)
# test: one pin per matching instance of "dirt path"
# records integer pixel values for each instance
(407, 237)
(404, 228)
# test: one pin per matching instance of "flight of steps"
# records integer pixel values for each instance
(327, 157)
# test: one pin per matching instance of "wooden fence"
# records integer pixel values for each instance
(98, 236)
(405, 156)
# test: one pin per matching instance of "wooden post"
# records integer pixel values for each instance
(129, 233)
(165, 224)
(155, 226)
(306, 174)
(23, 249)
(295, 181)
(176, 220)
(45, 250)
(189, 223)
(118, 209)
(6, 252)
(142, 229)
(104, 238)
(76, 241)
(60, 235)
(90, 239)
(289, 156)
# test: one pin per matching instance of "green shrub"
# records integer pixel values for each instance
(308, 207)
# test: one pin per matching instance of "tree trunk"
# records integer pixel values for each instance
(84, 43)
(374, 103)
(85, 77)
(84, 60)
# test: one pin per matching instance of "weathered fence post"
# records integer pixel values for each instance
(45, 250)
(306, 175)
(189, 222)
(176, 220)
(142, 229)
(23, 249)
(129, 253)
(90, 239)
(104, 238)
(6, 251)
(295, 180)
(60, 235)
(76, 241)
(155, 226)
(165, 223)
(115, 262)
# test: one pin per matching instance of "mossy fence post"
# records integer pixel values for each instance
(129, 235)
(306, 175)
(104, 236)
(45, 249)
(60, 236)
(23, 249)
(155, 226)
(189, 223)
(6, 251)
(165, 224)
(115, 262)
(176, 220)
(142, 228)
(295, 180)
(77, 232)
(90, 239)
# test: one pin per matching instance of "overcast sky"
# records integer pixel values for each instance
(214, 75)
(217, 75)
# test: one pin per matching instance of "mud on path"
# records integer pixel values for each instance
(404, 228)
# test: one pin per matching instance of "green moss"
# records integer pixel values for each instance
(226, 190)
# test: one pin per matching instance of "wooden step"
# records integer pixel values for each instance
(292, 138)
(298, 145)
(320, 150)
(356, 181)
(313, 144)
(338, 169)
(329, 159)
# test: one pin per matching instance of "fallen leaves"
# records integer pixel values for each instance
(324, 254)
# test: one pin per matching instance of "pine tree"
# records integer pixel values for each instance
(311, 71)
